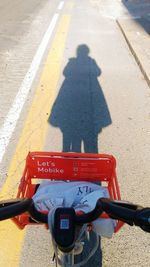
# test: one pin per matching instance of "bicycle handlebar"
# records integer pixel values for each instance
(12, 208)
(124, 211)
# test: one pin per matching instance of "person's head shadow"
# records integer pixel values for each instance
(80, 109)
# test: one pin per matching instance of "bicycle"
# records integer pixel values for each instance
(71, 230)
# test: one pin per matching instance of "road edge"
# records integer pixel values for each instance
(147, 78)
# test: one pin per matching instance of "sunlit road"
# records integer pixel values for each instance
(70, 83)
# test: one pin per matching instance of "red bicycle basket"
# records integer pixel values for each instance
(67, 166)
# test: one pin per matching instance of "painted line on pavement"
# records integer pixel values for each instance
(32, 138)
(61, 5)
(13, 115)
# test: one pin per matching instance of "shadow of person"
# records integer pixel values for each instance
(80, 109)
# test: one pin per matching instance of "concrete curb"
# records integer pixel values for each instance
(131, 47)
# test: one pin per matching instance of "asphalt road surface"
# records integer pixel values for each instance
(70, 83)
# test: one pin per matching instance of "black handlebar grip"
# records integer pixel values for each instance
(142, 219)
(12, 208)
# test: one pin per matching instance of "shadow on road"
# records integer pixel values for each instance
(141, 9)
(80, 109)
(81, 112)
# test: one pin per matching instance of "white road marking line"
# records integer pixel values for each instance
(12, 117)
(61, 5)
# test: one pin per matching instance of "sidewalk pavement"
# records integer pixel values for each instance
(138, 39)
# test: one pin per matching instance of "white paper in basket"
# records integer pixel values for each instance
(80, 195)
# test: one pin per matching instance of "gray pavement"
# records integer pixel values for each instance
(136, 30)
(120, 90)
(127, 100)
(21, 32)
(133, 18)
